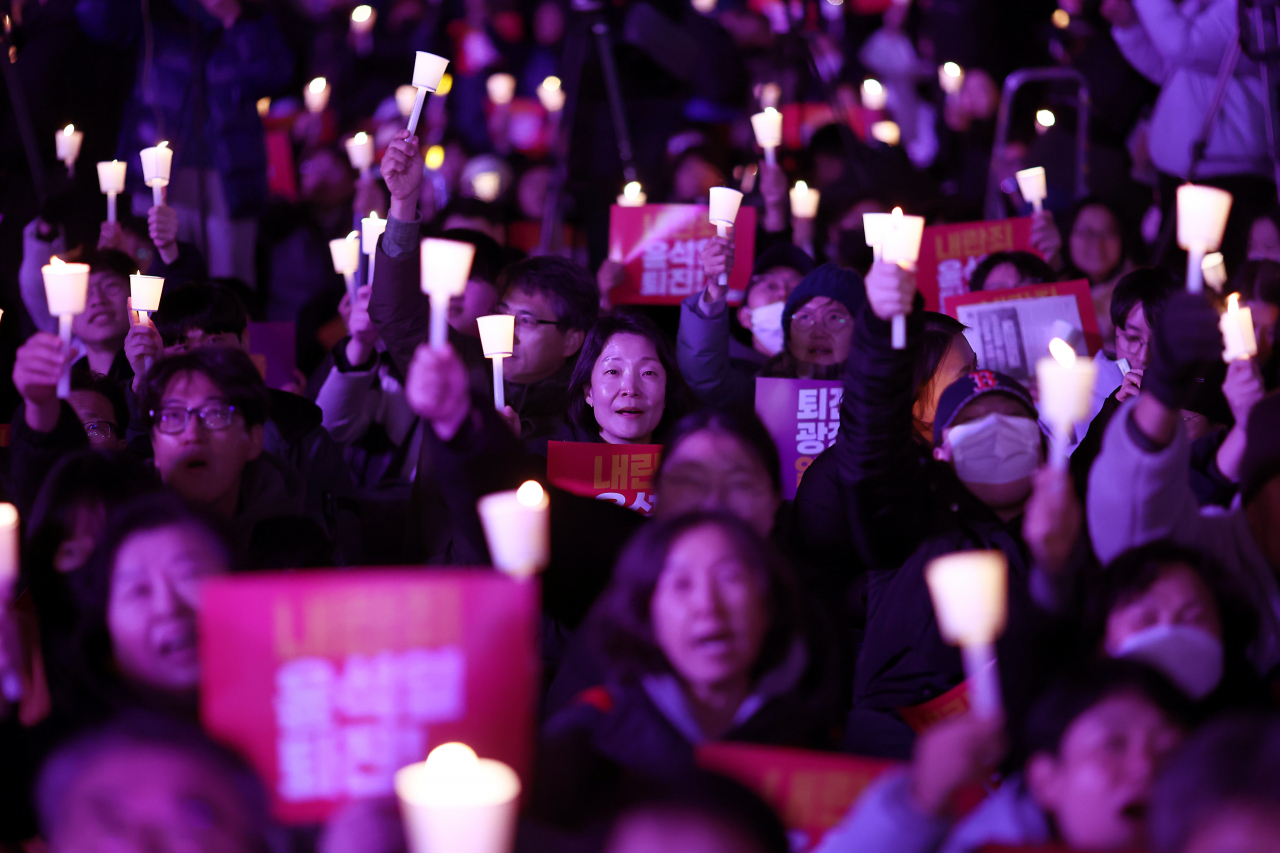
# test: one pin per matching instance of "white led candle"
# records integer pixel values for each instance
(428, 74)
(901, 246)
(316, 95)
(346, 259)
(68, 142)
(723, 213)
(144, 297)
(8, 548)
(487, 186)
(1066, 390)
(1214, 271)
(66, 288)
(111, 182)
(455, 802)
(156, 163)
(517, 529)
(371, 228)
(551, 94)
(446, 266)
(804, 201)
(970, 599)
(501, 88)
(632, 196)
(1202, 217)
(497, 340)
(768, 129)
(360, 151)
(950, 78)
(1031, 184)
(886, 132)
(362, 20)
(874, 228)
(874, 96)
(1238, 336)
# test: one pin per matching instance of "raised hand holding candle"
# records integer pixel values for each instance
(951, 78)
(428, 71)
(156, 163)
(1066, 389)
(874, 96)
(316, 95)
(371, 228)
(804, 201)
(446, 266)
(1031, 184)
(1202, 217)
(517, 529)
(970, 599)
(768, 129)
(456, 802)
(360, 152)
(68, 142)
(723, 213)
(66, 288)
(497, 339)
(902, 247)
(144, 297)
(346, 259)
(632, 196)
(1237, 331)
(111, 182)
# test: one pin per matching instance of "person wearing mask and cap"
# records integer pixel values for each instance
(909, 504)
(718, 367)
(1139, 490)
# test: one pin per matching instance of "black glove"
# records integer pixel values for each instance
(1187, 342)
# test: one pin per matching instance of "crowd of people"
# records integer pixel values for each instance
(1139, 660)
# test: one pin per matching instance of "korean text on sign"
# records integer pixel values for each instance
(622, 473)
(803, 417)
(949, 254)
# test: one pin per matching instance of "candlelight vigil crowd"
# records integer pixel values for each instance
(639, 426)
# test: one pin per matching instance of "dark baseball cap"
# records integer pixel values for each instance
(968, 388)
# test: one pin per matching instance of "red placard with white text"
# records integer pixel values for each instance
(949, 254)
(660, 248)
(810, 791)
(328, 682)
(622, 473)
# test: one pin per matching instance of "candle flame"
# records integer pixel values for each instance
(872, 87)
(162, 144)
(360, 138)
(632, 191)
(435, 157)
(56, 262)
(8, 515)
(897, 214)
(802, 187)
(318, 85)
(1045, 118)
(68, 130)
(530, 493)
(951, 69)
(450, 759)
(373, 214)
(1062, 352)
(360, 14)
(551, 84)
(354, 235)
(1233, 304)
(1061, 18)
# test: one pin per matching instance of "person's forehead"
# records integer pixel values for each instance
(105, 277)
(523, 299)
(1137, 319)
(823, 305)
(92, 402)
(192, 384)
(627, 346)
(1097, 217)
(713, 451)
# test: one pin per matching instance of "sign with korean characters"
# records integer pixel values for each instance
(622, 473)
(810, 791)
(328, 682)
(803, 416)
(949, 254)
(660, 248)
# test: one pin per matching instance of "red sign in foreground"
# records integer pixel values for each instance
(329, 682)
(949, 254)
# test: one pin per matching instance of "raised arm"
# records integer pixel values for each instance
(702, 342)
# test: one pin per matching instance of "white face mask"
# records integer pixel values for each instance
(996, 449)
(1190, 657)
(766, 325)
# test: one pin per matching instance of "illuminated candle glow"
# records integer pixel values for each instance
(446, 266)
(360, 151)
(1238, 336)
(497, 336)
(632, 196)
(970, 600)
(901, 246)
(156, 164)
(428, 77)
(1202, 218)
(516, 525)
(66, 289)
(950, 77)
(111, 182)
(68, 142)
(455, 802)
(768, 129)
(723, 213)
(804, 201)
(1066, 391)
(316, 95)
(1031, 184)
(874, 96)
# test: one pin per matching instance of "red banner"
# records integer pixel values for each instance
(810, 791)
(660, 247)
(949, 254)
(329, 682)
(622, 473)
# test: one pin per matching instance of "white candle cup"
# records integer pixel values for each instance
(970, 600)
(517, 527)
(67, 142)
(360, 151)
(886, 132)
(874, 96)
(371, 229)
(501, 88)
(428, 71)
(145, 292)
(316, 95)
(901, 246)
(804, 201)
(1213, 270)
(345, 252)
(874, 228)
(1238, 335)
(156, 164)
(768, 129)
(951, 78)
(455, 802)
(66, 289)
(1202, 218)
(1066, 390)
(1032, 186)
(497, 340)
(724, 211)
(446, 266)
(111, 182)
(632, 196)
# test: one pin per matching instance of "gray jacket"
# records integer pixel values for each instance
(721, 371)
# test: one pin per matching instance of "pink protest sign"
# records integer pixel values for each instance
(803, 416)
(660, 248)
(622, 473)
(949, 254)
(328, 682)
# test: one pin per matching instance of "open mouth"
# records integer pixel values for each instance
(195, 463)
(629, 412)
(175, 641)
(819, 352)
(1135, 811)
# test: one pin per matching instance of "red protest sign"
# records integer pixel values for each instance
(803, 416)
(810, 791)
(327, 682)
(660, 248)
(949, 253)
(622, 473)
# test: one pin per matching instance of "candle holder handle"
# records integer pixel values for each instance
(350, 279)
(771, 155)
(1195, 274)
(499, 391)
(439, 321)
(111, 207)
(64, 332)
(417, 110)
(899, 331)
(984, 680)
(157, 194)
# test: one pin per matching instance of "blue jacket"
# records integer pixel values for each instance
(192, 56)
